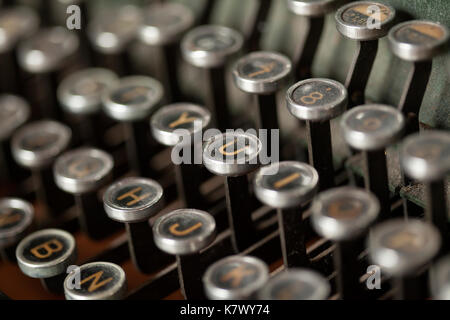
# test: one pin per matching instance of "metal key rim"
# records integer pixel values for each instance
(286, 199)
(123, 112)
(258, 86)
(184, 246)
(385, 256)
(79, 104)
(317, 113)
(363, 33)
(136, 214)
(156, 36)
(35, 62)
(216, 293)
(51, 268)
(117, 292)
(32, 159)
(86, 184)
(11, 235)
(337, 230)
(209, 59)
(231, 168)
(30, 22)
(423, 169)
(107, 42)
(168, 137)
(311, 277)
(412, 52)
(364, 141)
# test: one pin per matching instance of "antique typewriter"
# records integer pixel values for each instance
(224, 150)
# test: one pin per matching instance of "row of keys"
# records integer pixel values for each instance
(293, 185)
(209, 47)
(342, 215)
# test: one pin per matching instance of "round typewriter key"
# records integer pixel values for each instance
(296, 284)
(401, 248)
(366, 22)
(371, 129)
(184, 233)
(179, 125)
(98, 281)
(419, 42)
(80, 94)
(165, 23)
(314, 12)
(440, 279)
(16, 217)
(46, 254)
(263, 73)
(234, 155)
(113, 29)
(132, 101)
(82, 172)
(35, 147)
(14, 112)
(317, 101)
(176, 123)
(426, 158)
(288, 186)
(209, 47)
(16, 23)
(47, 50)
(235, 278)
(344, 215)
(163, 26)
(372, 126)
(134, 201)
(111, 32)
(45, 56)
(133, 98)
(37, 144)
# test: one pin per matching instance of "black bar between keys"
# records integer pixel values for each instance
(320, 152)
(292, 236)
(359, 72)
(413, 94)
(239, 215)
(216, 97)
(308, 48)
